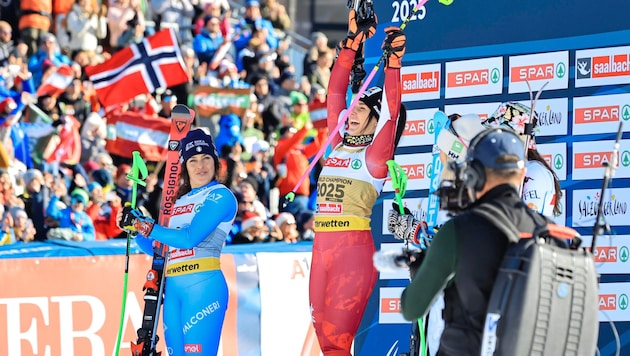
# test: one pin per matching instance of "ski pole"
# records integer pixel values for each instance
(291, 195)
(399, 182)
(137, 175)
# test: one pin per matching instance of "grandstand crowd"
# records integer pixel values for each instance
(57, 178)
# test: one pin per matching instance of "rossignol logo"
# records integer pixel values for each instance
(593, 115)
(591, 159)
(192, 348)
(414, 171)
(180, 124)
(613, 302)
(185, 209)
(329, 208)
(337, 162)
(534, 72)
(423, 82)
(173, 145)
(415, 127)
(181, 253)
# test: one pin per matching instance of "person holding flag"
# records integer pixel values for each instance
(342, 275)
(196, 294)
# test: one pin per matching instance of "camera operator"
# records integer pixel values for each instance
(466, 252)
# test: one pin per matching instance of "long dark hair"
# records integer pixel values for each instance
(534, 155)
(402, 121)
(184, 178)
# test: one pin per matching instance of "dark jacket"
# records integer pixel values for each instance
(465, 256)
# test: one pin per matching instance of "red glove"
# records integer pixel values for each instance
(394, 46)
(358, 31)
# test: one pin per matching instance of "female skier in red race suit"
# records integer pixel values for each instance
(342, 273)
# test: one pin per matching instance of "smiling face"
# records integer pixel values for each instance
(200, 169)
(359, 122)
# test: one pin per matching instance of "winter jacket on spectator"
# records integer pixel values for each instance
(206, 45)
(49, 50)
(85, 27)
(73, 218)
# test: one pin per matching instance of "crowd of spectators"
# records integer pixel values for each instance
(58, 181)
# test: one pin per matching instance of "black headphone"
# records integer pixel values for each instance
(474, 173)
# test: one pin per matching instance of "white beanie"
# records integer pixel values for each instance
(456, 135)
(250, 219)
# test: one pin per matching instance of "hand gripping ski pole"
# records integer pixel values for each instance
(342, 120)
(137, 175)
(399, 182)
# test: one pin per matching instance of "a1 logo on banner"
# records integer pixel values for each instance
(555, 154)
(602, 66)
(474, 77)
(417, 166)
(614, 207)
(419, 128)
(590, 157)
(538, 69)
(600, 114)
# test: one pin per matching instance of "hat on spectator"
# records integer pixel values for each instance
(298, 98)
(197, 141)
(250, 219)
(31, 174)
(285, 218)
(104, 178)
(287, 75)
(81, 195)
(90, 166)
(93, 186)
(122, 170)
(286, 128)
(260, 146)
(251, 181)
(7, 103)
(252, 3)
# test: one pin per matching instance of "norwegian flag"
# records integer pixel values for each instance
(141, 68)
(131, 131)
(57, 82)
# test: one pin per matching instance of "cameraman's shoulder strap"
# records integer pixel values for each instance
(496, 217)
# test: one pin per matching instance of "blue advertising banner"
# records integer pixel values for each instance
(469, 57)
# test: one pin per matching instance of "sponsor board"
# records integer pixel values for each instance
(600, 114)
(555, 154)
(474, 77)
(389, 306)
(420, 82)
(419, 128)
(553, 116)
(538, 69)
(417, 207)
(590, 157)
(418, 168)
(613, 302)
(611, 253)
(484, 110)
(602, 66)
(615, 207)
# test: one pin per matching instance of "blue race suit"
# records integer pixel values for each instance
(196, 293)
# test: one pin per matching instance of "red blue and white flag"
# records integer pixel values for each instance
(131, 131)
(57, 82)
(138, 69)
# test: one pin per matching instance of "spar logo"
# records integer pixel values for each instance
(613, 302)
(415, 127)
(337, 162)
(185, 209)
(423, 82)
(390, 305)
(597, 114)
(556, 161)
(414, 171)
(473, 77)
(625, 158)
(546, 71)
(591, 159)
(611, 254)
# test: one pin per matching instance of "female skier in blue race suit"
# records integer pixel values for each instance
(196, 293)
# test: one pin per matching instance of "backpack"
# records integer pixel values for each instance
(544, 299)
